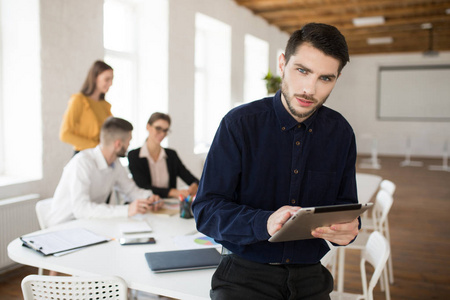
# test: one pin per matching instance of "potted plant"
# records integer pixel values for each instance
(273, 83)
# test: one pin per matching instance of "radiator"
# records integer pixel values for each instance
(17, 217)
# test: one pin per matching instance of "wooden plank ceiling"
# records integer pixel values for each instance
(404, 21)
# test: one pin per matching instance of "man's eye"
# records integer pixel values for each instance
(301, 70)
(325, 78)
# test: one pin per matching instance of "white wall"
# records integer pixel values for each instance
(355, 96)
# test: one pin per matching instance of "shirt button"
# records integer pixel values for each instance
(295, 171)
(283, 128)
(297, 143)
(288, 260)
(293, 201)
(310, 130)
(299, 125)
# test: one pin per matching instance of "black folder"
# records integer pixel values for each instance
(181, 260)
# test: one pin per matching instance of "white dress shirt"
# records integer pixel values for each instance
(85, 184)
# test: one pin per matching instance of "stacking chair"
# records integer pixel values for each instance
(376, 252)
(330, 259)
(380, 211)
(42, 209)
(74, 288)
(389, 187)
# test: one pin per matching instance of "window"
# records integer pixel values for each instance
(136, 47)
(256, 68)
(20, 84)
(212, 78)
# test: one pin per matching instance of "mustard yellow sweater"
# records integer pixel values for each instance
(83, 120)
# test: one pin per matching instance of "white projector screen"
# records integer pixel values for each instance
(416, 93)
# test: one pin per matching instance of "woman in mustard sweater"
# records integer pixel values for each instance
(88, 109)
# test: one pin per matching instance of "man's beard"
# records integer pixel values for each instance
(287, 98)
(122, 152)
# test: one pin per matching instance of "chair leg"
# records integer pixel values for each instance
(385, 279)
(340, 281)
(391, 270)
(40, 271)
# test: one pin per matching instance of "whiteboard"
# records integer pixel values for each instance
(416, 93)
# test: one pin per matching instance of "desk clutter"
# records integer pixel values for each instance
(186, 207)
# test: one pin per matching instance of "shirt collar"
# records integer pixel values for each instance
(100, 159)
(143, 153)
(286, 120)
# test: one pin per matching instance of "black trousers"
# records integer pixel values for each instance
(237, 278)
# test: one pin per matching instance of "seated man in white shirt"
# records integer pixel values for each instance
(90, 177)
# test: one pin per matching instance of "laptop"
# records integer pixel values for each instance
(306, 219)
(182, 260)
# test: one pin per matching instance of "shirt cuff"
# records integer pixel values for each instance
(260, 225)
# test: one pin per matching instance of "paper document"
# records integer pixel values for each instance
(63, 240)
(134, 227)
(195, 241)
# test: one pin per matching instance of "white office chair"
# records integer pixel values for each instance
(73, 288)
(380, 211)
(388, 186)
(42, 210)
(330, 259)
(375, 252)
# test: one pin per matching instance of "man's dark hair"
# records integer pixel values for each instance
(113, 129)
(324, 37)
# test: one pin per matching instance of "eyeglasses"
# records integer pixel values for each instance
(162, 130)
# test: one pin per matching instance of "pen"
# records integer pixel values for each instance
(154, 203)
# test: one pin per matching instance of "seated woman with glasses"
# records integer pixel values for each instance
(156, 168)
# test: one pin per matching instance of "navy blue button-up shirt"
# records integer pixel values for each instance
(262, 159)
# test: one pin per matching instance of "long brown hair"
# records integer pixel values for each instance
(89, 84)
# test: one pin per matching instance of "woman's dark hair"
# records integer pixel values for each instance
(89, 84)
(324, 37)
(158, 116)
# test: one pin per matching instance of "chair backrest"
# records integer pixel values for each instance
(74, 288)
(42, 210)
(376, 252)
(383, 204)
(388, 186)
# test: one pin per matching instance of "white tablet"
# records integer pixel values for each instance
(306, 219)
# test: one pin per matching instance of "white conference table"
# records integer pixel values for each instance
(128, 262)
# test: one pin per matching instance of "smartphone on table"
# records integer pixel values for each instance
(136, 240)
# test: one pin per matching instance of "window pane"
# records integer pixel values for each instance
(212, 78)
(256, 68)
(119, 30)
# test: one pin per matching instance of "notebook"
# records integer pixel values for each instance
(181, 260)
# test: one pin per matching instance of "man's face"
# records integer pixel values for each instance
(307, 80)
(122, 152)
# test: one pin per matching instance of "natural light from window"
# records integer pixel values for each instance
(212, 78)
(256, 68)
(136, 47)
(20, 90)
